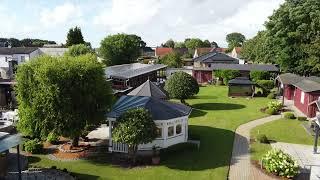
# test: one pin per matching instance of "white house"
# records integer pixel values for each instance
(170, 118)
(17, 54)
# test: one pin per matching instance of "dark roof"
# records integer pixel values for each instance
(17, 50)
(289, 78)
(306, 84)
(215, 57)
(128, 71)
(241, 81)
(148, 89)
(159, 109)
(8, 141)
(241, 67)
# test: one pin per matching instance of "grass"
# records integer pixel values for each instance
(283, 130)
(213, 120)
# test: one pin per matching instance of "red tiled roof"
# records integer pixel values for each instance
(223, 50)
(161, 51)
(202, 51)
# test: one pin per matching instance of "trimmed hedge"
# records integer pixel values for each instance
(289, 115)
(266, 85)
(262, 138)
(302, 118)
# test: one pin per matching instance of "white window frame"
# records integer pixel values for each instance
(302, 97)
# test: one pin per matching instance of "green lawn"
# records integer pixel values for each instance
(213, 120)
(283, 130)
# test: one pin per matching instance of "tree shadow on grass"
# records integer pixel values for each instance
(85, 176)
(218, 106)
(197, 113)
(215, 151)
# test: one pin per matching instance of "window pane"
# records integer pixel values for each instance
(178, 129)
(159, 132)
(170, 131)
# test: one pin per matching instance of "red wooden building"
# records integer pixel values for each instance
(303, 91)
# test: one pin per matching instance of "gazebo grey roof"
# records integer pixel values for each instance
(159, 109)
(148, 89)
(241, 81)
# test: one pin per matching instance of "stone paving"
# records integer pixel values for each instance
(240, 165)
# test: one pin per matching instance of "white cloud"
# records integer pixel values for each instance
(159, 20)
(60, 14)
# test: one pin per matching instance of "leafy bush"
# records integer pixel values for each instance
(227, 75)
(33, 146)
(271, 96)
(182, 86)
(271, 111)
(262, 138)
(289, 115)
(302, 118)
(280, 163)
(275, 105)
(259, 75)
(53, 138)
(266, 85)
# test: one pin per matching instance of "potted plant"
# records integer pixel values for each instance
(155, 156)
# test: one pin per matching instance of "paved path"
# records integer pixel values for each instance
(240, 166)
(303, 154)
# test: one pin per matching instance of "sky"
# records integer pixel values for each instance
(154, 20)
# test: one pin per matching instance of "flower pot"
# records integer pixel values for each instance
(156, 160)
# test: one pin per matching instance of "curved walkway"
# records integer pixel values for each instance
(240, 165)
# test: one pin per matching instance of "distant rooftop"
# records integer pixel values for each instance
(148, 89)
(126, 71)
(215, 57)
(241, 67)
(17, 50)
(53, 51)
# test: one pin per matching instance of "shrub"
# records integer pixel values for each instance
(53, 167)
(271, 96)
(33, 146)
(289, 115)
(53, 138)
(271, 111)
(65, 170)
(259, 75)
(259, 93)
(275, 105)
(266, 85)
(280, 163)
(262, 138)
(302, 118)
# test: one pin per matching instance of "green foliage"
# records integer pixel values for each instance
(226, 75)
(289, 115)
(172, 59)
(271, 95)
(61, 94)
(135, 127)
(235, 39)
(179, 45)
(276, 105)
(74, 37)
(291, 38)
(262, 138)
(266, 85)
(78, 49)
(259, 75)
(280, 163)
(271, 111)
(33, 146)
(302, 118)
(193, 43)
(53, 138)
(181, 86)
(25, 42)
(170, 43)
(121, 49)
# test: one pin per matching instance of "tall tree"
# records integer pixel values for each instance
(77, 50)
(170, 44)
(193, 43)
(179, 45)
(235, 39)
(206, 43)
(172, 59)
(121, 49)
(61, 95)
(74, 37)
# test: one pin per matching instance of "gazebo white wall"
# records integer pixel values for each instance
(160, 142)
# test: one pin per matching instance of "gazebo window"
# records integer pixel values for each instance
(170, 131)
(159, 132)
(178, 129)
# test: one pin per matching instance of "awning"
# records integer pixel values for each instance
(8, 141)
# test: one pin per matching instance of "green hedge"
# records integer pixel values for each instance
(266, 85)
(259, 75)
(33, 146)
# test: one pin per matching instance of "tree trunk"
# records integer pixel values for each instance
(133, 153)
(75, 141)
